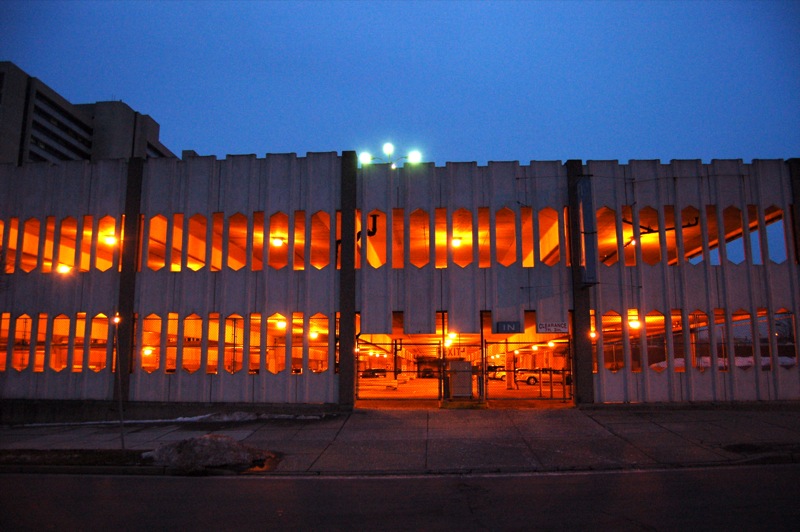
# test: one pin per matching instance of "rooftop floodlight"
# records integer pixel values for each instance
(389, 157)
(365, 157)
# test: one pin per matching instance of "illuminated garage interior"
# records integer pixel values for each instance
(517, 366)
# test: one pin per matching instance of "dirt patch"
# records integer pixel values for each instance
(196, 456)
(74, 457)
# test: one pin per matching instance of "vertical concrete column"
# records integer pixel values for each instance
(127, 279)
(794, 173)
(347, 281)
(581, 316)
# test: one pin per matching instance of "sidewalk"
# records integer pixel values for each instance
(441, 441)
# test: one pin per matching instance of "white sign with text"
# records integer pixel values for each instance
(552, 327)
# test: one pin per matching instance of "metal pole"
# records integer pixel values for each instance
(119, 385)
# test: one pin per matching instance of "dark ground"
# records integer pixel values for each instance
(74, 457)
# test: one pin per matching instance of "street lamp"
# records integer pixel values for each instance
(413, 157)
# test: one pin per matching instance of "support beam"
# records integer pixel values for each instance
(127, 279)
(581, 317)
(794, 173)
(347, 281)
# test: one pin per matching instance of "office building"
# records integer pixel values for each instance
(37, 124)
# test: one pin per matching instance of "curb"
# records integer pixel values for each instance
(147, 470)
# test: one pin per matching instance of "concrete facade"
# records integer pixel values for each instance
(668, 282)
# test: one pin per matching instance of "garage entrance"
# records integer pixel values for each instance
(526, 370)
(483, 366)
(416, 368)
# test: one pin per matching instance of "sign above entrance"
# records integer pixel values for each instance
(507, 327)
(552, 327)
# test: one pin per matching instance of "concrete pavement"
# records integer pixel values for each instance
(429, 440)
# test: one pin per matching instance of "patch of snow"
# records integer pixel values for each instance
(220, 417)
(214, 417)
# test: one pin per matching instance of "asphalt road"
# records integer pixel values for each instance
(719, 498)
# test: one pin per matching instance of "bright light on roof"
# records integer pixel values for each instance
(388, 157)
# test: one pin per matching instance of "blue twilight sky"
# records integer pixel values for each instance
(458, 80)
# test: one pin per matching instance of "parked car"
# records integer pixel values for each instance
(545, 375)
(496, 372)
(427, 373)
(528, 376)
(741, 362)
(373, 373)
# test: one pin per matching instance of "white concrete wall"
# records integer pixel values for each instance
(70, 190)
(700, 286)
(243, 184)
(287, 183)
(462, 291)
